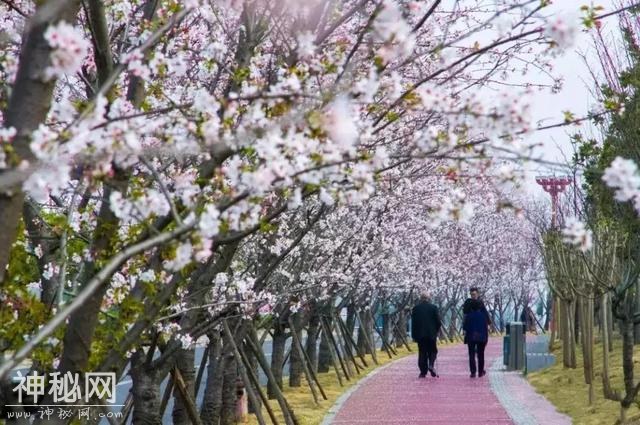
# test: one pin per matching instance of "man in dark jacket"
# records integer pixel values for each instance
(474, 296)
(425, 326)
(476, 335)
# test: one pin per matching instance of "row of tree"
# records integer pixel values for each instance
(593, 267)
(219, 173)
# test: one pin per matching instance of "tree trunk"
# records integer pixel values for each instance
(254, 367)
(604, 318)
(400, 331)
(324, 354)
(37, 229)
(341, 350)
(572, 312)
(549, 310)
(351, 328)
(212, 401)
(311, 344)
(10, 397)
(386, 327)
(590, 340)
(295, 361)
(568, 341)
(553, 322)
(80, 332)
(277, 358)
(636, 327)
(585, 309)
(229, 395)
(609, 311)
(296, 346)
(28, 108)
(370, 334)
(627, 364)
(145, 388)
(453, 327)
(365, 333)
(362, 342)
(576, 322)
(372, 330)
(184, 363)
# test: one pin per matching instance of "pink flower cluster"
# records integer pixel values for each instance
(6, 135)
(622, 175)
(562, 31)
(69, 49)
(576, 233)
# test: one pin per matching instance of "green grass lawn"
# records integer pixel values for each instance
(566, 389)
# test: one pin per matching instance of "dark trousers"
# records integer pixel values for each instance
(427, 353)
(476, 348)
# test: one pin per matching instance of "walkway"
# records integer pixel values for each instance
(395, 395)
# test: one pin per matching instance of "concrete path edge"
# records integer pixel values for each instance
(333, 410)
(520, 400)
(516, 411)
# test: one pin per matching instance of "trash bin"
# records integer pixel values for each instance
(505, 349)
(516, 358)
(506, 344)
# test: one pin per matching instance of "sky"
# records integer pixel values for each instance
(575, 96)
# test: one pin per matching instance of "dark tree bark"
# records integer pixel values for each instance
(28, 107)
(365, 333)
(82, 323)
(295, 361)
(79, 334)
(400, 329)
(100, 39)
(311, 344)
(212, 401)
(230, 378)
(145, 390)
(324, 354)
(636, 327)
(36, 228)
(627, 364)
(386, 327)
(254, 367)
(576, 323)
(10, 397)
(549, 309)
(568, 341)
(184, 363)
(351, 325)
(277, 358)
(362, 341)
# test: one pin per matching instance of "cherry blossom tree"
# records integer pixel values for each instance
(171, 171)
(597, 259)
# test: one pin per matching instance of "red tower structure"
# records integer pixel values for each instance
(554, 186)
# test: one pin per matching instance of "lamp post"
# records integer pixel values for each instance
(554, 186)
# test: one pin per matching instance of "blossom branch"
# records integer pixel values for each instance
(96, 282)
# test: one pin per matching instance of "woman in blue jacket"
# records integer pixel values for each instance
(476, 335)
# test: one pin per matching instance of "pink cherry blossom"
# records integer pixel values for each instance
(68, 49)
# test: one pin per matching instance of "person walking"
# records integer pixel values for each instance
(425, 326)
(476, 335)
(474, 295)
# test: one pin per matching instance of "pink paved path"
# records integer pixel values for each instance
(396, 395)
